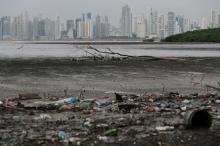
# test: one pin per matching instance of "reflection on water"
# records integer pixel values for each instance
(13, 50)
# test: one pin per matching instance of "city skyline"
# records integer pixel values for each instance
(69, 9)
(152, 24)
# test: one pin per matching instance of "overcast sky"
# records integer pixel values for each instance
(112, 8)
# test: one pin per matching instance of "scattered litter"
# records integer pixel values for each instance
(61, 134)
(165, 128)
(111, 132)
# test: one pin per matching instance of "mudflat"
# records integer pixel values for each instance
(52, 76)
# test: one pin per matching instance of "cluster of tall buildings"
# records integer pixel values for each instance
(160, 26)
(151, 24)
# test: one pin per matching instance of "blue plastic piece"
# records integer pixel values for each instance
(61, 134)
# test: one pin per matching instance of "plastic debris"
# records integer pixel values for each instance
(43, 117)
(1, 103)
(165, 128)
(111, 132)
(61, 134)
(71, 100)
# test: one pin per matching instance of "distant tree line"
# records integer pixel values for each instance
(206, 35)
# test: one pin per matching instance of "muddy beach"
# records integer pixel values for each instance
(156, 96)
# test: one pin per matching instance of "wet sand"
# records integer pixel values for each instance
(98, 78)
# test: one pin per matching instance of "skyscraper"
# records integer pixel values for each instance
(69, 25)
(27, 31)
(1, 30)
(171, 23)
(219, 21)
(161, 27)
(78, 28)
(101, 27)
(35, 28)
(153, 22)
(140, 26)
(5, 24)
(126, 21)
(98, 27)
(213, 19)
(57, 29)
(187, 25)
(87, 26)
(204, 23)
(180, 20)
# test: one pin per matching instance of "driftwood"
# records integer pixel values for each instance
(110, 52)
(213, 87)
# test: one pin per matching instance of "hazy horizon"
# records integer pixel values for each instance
(72, 9)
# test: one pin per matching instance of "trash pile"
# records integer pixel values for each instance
(124, 118)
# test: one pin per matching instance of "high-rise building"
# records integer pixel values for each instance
(161, 27)
(204, 23)
(49, 29)
(41, 28)
(98, 28)
(177, 27)
(27, 27)
(17, 27)
(101, 28)
(171, 23)
(180, 20)
(153, 22)
(140, 26)
(69, 25)
(213, 19)
(1, 30)
(78, 28)
(187, 25)
(86, 27)
(219, 21)
(57, 29)
(5, 24)
(126, 22)
(35, 28)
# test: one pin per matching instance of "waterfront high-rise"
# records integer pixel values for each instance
(171, 23)
(102, 27)
(5, 23)
(161, 27)
(180, 20)
(187, 25)
(126, 21)
(78, 28)
(27, 27)
(204, 23)
(69, 25)
(213, 19)
(1, 30)
(57, 29)
(219, 21)
(140, 26)
(153, 22)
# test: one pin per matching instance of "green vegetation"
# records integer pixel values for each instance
(206, 35)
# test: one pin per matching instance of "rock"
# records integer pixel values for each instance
(66, 107)
(151, 109)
